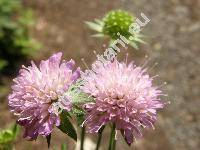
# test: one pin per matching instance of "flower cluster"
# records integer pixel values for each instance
(111, 93)
(36, 90)
(119, 93)
(124, 96)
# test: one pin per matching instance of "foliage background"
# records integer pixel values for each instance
(15, 21)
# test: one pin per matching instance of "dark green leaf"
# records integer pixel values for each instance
(79, 113)
(80, 119)
(66, 126)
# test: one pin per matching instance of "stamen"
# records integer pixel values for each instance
(126, 58)
(95, 52)
(83, 60)
(155, 64)
(155, 76)
(162, 85)
(144, 63)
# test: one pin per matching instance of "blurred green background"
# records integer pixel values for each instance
(35, 29)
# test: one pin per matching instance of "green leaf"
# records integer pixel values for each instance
(67, 127)
(78, 97)
(140, 41)
(94, 26)
(111, 42)
(9, 135)
(99, 35)
(79, 113)
(3, 63)
(15, 38)
(64, 147)
(6, 137)
(133, 44)
(15, 131)
(77, 110)
(80, 119)
(99, 22)
(82, 98)
(26, 18)
(138, 38)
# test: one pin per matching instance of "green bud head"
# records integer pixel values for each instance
(117, 21)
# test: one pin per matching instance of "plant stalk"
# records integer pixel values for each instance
(82, 138)
(99, 138)
(112, 141)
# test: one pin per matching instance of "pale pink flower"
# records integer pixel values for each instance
(36, 90)
(124, 95)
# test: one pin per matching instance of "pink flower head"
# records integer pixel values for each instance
(123, 95)
(36, 90)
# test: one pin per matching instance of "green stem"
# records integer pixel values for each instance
(114, 144)
(82, 137)
(112, 141)
(99, 138)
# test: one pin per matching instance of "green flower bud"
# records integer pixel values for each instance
(114, 22)
(117, 21)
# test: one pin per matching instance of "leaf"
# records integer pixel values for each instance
(133, 44)
(137, 38)
(111, 42)
(66, 126)
(3, 63)
(94, 26)
(82, 98)
(77, 110)
(9, 135)
(48, 140)
(77, 96)
(79, 113)
(6, 137)
(99, 35)
(99, 22)
(140, 41)
(64, 147)
(80, 119)
(15, 130)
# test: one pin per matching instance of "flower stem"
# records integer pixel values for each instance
(99, 138)
(82, 137)
(112, 141)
